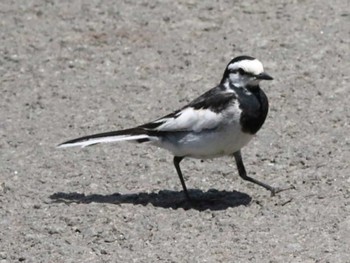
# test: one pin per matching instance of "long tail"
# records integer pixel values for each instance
(135, 134)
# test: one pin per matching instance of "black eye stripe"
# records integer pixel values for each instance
(241, 72)
(236, 71)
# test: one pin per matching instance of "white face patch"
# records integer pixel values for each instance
(254, 67)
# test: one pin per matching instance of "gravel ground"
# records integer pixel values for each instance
(71, 68)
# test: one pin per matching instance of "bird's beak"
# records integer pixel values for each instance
(264, 76)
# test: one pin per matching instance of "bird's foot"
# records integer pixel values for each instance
(276, 190)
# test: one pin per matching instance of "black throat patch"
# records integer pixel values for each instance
(254, 105)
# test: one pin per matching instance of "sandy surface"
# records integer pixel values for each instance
(71, 68)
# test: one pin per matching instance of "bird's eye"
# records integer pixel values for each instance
(241, 71)
(234, 71)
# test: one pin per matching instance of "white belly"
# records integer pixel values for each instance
(206, 144)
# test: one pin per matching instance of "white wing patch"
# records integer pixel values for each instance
(190, 119)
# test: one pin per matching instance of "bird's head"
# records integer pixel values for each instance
(244, 71)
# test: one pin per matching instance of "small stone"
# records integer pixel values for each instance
(3, 255)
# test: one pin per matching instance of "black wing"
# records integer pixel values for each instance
(201, 113)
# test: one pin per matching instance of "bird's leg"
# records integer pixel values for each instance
(177, 161)
(243, 174)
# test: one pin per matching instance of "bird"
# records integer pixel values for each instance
(218, 123)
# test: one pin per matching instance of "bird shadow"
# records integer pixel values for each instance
(210, 200)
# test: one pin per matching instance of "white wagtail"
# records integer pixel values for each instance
(219, 122)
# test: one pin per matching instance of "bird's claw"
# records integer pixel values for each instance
(277, 190)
